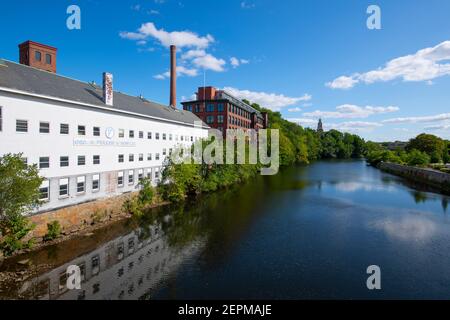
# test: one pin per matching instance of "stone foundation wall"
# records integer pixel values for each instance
(434, 178)
(78, 217)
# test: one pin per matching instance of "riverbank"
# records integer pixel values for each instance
(433, 178)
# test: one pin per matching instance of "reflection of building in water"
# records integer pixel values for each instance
(125, 268)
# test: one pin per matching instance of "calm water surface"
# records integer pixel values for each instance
(309, 232)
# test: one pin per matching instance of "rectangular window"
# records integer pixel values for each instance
(121, 158)
(210, 119)
(121, 133)
(210, 107)
(44, 127)
(131, 157)
(170, 137)
(220, 119)
(48, 59)
(130, 177)
(220, 107)
(81, 184)
(21, 125)
(96, 159)
(63, 187)
(149, 157)
(156, 174)
(141, 134)
(95, 264)
(44, 191)
(181, 138)
(37, 56)
(96, 132)
(81, 160)
(64, 128)
(141, 157)
(164, 136)
(140, 175)
(149, 135)
(44, 162)
(131, 134)
(95, 182)
(157, 156)
(81, 130)
(25, 161)
(120, 179)
(164, 152)
(64, 161)
(149, 174)
(157, 136)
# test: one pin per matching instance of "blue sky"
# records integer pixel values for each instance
(305, 58)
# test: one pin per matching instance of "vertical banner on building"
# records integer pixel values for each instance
(108, 88)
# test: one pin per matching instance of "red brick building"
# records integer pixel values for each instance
(220, 110)
(38, 55)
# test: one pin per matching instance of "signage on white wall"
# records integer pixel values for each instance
(102, 143)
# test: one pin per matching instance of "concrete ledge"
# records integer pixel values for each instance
(431, 177)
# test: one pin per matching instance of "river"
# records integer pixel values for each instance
(309, 232)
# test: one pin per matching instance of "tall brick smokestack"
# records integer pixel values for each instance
(173, 76)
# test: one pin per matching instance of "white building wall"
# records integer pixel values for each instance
(108, 145)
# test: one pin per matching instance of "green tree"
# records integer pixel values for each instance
(19, 194)
(433, 146)
(417, 158)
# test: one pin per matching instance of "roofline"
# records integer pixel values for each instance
(25, 93)
(38, 44)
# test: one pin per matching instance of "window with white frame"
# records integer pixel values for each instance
(95, 182)
(81, 160)
(64, 161)
(170, 137)
(96, 131)
(121, 133)
(164, 152)
(81, 184)
(44, 127)
(131, 134)
(64, 128)
(149, 157)
(141, 134)
(44, 191)
(22, 126)
(120, 178)
(63, 187)
(164, 136)
(81, 130)
(96, 159)
(131, 157)
(157, 136)
(149, 174)
(157, 156)
(130, 176)
(121, 158)
(149, 135)
(44, 162)
(140, 174)
(141, 157)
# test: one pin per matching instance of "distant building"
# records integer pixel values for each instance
(220, 110)
(320, 126)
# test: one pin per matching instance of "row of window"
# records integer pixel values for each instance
(38, 57)
(44, 127)
(44, 162)
(211, 107)
(64, 192)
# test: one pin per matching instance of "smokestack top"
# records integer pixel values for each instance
(173, 76)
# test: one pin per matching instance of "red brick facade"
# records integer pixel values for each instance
(38, 56)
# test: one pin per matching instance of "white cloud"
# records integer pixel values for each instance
(267, 100)
(181, 71)
(194, 53)
(438, 127)
(425, 65)
(235, 62)
(179, 38)
(247, 5)
(435, 118)
(136, 7)
(296, 109)
(353, 126)
(153, 12)
(141, 43)
(349, 111)
(209, 62)
(302, 121)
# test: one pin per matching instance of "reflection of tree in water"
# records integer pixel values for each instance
(445, 204)
(419, 197)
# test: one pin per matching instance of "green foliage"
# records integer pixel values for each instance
(19, 194)
(375, 157)
(136, 204)
(53, 231)
(434, 147)
(417, 158)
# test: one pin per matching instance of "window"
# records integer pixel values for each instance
(157, 156)
(157, 136)
(156, 174)
(37, 56)
(220, 107)
(131, 157)
(181, 138)
(44, 191)
(149, 157)
(81, 160)
(141, 157)
(96, 159)
(164, 136)
(95, 182)
(121, 133)
(176, 137)
(210, 119)
(130, 245)
(120, 252)
(141, 134)
(220, 119)
(96, 132)
(25, 160)
(192, 139)
(95, 263)
(140, 175)
(120, 179)
(64, 128)
(149, 135)
(164, 152)
(130, 177)
(21, 125)
(63, 187)
(131, 134)
(197, 108)
(121, 158)
(170, 137)
(149, 174)
(44, 127)
(64, 161)
(81, 184)
(44, 162)
(48, 59)
(81, 130)
(210, 107)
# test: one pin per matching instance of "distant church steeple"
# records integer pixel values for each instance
(320, 126)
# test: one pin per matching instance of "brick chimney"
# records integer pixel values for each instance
(38, 55)
(173, 76)
(108, 92)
